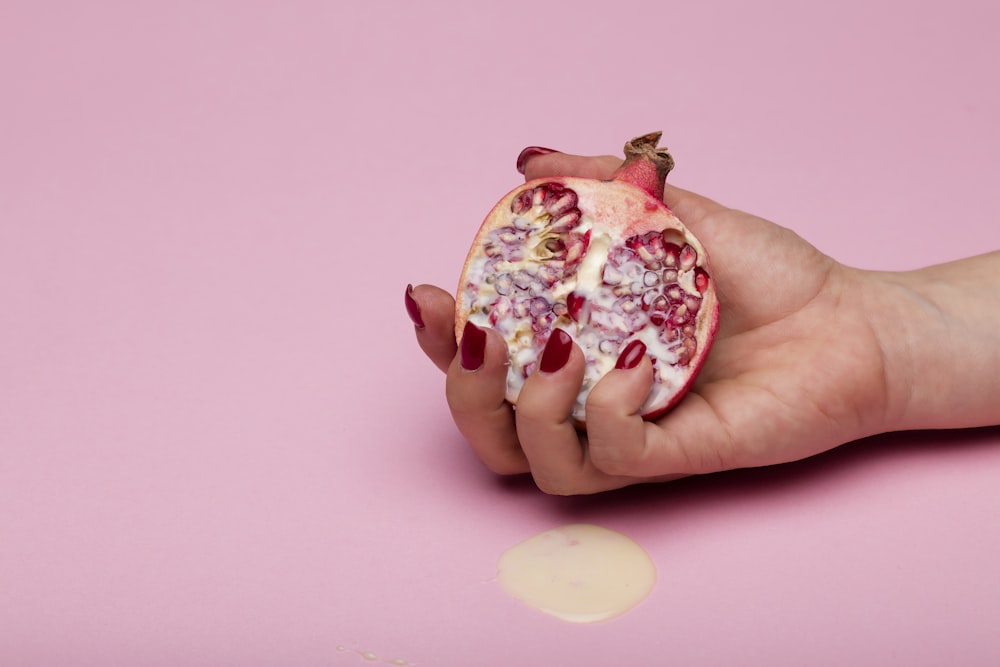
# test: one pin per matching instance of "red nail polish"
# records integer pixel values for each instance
(530, 152)
(472, 347)
(412, 309)
(631, 355)
(556, 352)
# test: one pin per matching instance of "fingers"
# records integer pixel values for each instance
(616, 431)
(564, 164)
(691, 208)
(549, 438)
(560, 462)
(476, 377)
(540, 436)
(475, 388)
(432, 311)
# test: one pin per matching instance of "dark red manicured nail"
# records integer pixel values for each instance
(412, 309)
(473, 347)
(530, 152)
(556, 352)
(631, 355)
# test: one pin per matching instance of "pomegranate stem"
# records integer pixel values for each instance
(646, 166)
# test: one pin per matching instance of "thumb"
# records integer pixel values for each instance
(689, 440)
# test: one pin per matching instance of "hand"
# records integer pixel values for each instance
(797, 367)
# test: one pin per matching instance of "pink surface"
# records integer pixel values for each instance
(219, 444)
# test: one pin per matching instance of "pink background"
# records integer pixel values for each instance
(219, 443)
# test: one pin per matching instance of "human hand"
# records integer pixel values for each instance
(796, 368)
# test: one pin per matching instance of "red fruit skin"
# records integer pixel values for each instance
(503, 277)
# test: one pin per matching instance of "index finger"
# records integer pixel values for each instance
(566, 164)
(691, 208)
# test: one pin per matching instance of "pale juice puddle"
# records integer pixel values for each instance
(579, 573)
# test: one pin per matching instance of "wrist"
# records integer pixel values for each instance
(898, 315)
(937, 330)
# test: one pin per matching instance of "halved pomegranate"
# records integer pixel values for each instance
(607, 262)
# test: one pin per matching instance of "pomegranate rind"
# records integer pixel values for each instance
(501, 286)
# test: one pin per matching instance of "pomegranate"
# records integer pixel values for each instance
(607, 262)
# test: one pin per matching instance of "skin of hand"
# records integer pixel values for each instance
(810, 354)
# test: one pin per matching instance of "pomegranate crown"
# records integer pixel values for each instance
(646, 165)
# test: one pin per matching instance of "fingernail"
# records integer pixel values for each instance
(412, 309)
(472, 347)
(556, 352)
(631, 355)
(530, 152)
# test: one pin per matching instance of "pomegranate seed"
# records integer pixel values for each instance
(557, 203)
(621, 255)
(680, 315)
(700, 279)
(672, 253)
(522, 279)
(566, 221)
(636, 320)
(611, 275)
(575, 303)
(661, 303)
(510, 235)
(688, 258)
(627, 304)
(521, 203)
(648, 298)
(504, 284)
(621, 290)
(543, 323)
(575, 250)
(539, 306)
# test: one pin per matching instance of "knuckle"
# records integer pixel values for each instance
(553, 487)
(614, 458)
(600, 405)
(502, 463)
(618, 447)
